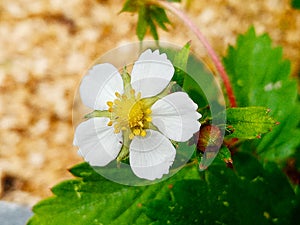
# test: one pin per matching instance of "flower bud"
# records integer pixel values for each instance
(210, 137)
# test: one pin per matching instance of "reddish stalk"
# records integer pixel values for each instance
(182, 16)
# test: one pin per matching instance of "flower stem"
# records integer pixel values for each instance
(182, 16)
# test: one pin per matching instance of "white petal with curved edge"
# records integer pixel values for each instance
(100, 85)
(151, 156)
(97, 142)
(151, 73)
(176, 117)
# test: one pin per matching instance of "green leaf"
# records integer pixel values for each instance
(142, 24)
(131, 6)
(149, 17)
(228, 196)
(249, 122)
(260, 77)
(91, 199)
(160, 16)
(221, 196)
(153, 29)
(296, 4)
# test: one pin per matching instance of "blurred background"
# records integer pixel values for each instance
(45, 48)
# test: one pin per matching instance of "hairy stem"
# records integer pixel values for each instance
(182, 16)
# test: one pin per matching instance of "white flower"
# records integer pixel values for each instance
(136, 117)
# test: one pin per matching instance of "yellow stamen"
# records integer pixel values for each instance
(143, 133)
(117, 101)
(136, 131)
(109, 103)
(131, 136)
(129, 114)
(148, 111)
(141, 124)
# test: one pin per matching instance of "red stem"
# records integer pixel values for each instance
(181, 15)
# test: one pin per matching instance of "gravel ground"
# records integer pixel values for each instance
(46, 47)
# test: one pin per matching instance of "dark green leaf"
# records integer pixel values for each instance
(296, 4)
(260, 77)
(249, 122)
(247, 196)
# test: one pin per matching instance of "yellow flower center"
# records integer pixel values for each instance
(129, 113)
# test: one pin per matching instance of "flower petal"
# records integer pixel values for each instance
(151, 156)
(151, 73)
(97, 142)
(176, 117)
(100, 85)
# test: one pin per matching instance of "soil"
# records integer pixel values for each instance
(46, 47)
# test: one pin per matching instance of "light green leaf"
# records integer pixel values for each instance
(249, 122)
(260, 77)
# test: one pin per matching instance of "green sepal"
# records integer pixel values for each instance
(97, 113)
(180, 64)
(181, 57)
